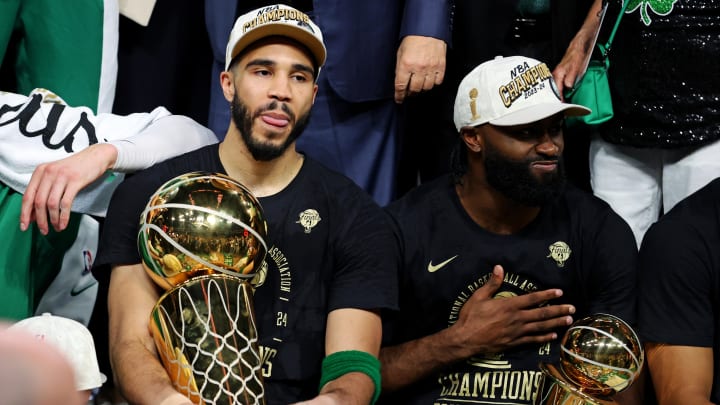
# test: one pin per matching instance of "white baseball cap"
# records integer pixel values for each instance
(509, 91)
(278, 19)
(73, 340)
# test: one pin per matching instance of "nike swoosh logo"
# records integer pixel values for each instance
(74, 292)
(432, 268)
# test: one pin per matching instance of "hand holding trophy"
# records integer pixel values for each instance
(202, 238)
(600, 356)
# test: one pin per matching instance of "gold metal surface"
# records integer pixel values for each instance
(205, 333)
(600, 356)
(556, 390)
(202, 239)
(199, 224)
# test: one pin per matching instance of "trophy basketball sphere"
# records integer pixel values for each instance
(199, 224)
(601, 355)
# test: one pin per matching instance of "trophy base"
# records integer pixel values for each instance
(556, 390)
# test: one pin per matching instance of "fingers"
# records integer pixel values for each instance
(569, 80)
(419, 82)
(492, 285)
(560, 78)
(540, 324)
(402, 80)
(27, 213)
(68, 196)
(53, 186)
(57, 209)
(439, 76)
(48, 200)
(529, 339)
(567, 84)
(40, 201)
(34, 200)
(416, 83)
(537, 298)
(549, 317)
(420, 65)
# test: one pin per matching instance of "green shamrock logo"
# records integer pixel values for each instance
(659, 7)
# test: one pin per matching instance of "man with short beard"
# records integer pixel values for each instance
(503, 225)
(326, 280)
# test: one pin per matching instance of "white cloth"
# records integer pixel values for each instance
(41, 128)
(642, 183)
(73, 341)
(73, 292)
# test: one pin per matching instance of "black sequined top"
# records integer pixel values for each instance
(665, 74)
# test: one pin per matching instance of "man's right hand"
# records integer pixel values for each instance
(486, 325)
(491, 325)
(53, 186)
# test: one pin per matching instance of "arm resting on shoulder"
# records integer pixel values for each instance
(680, 374)
(139, 374)
(54, 186)
(164, 138)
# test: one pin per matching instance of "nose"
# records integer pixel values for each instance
(548, 145)
(280, 88)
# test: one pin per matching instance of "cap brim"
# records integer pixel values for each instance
(539, 112)
(301, 35)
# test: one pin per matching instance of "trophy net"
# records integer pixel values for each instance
(205, 332)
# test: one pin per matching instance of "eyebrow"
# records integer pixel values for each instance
(269, 63)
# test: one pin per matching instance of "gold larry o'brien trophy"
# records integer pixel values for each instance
(600, 356)
(202, 238)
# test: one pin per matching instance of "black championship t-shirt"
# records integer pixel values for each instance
(679, 269)
(344, 258)
(577, 244)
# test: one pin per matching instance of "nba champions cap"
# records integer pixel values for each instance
(73, 340)
(272, 20)
(509, 91)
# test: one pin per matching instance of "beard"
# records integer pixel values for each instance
(514, 179)
(264, 151)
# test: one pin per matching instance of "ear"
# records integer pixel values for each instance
(315, 90)
(472, 138)
(227, 82)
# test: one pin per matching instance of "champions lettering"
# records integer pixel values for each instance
(523, 82)
(276, 15)
(518, 385)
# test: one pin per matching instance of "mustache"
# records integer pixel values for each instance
(273, 105)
